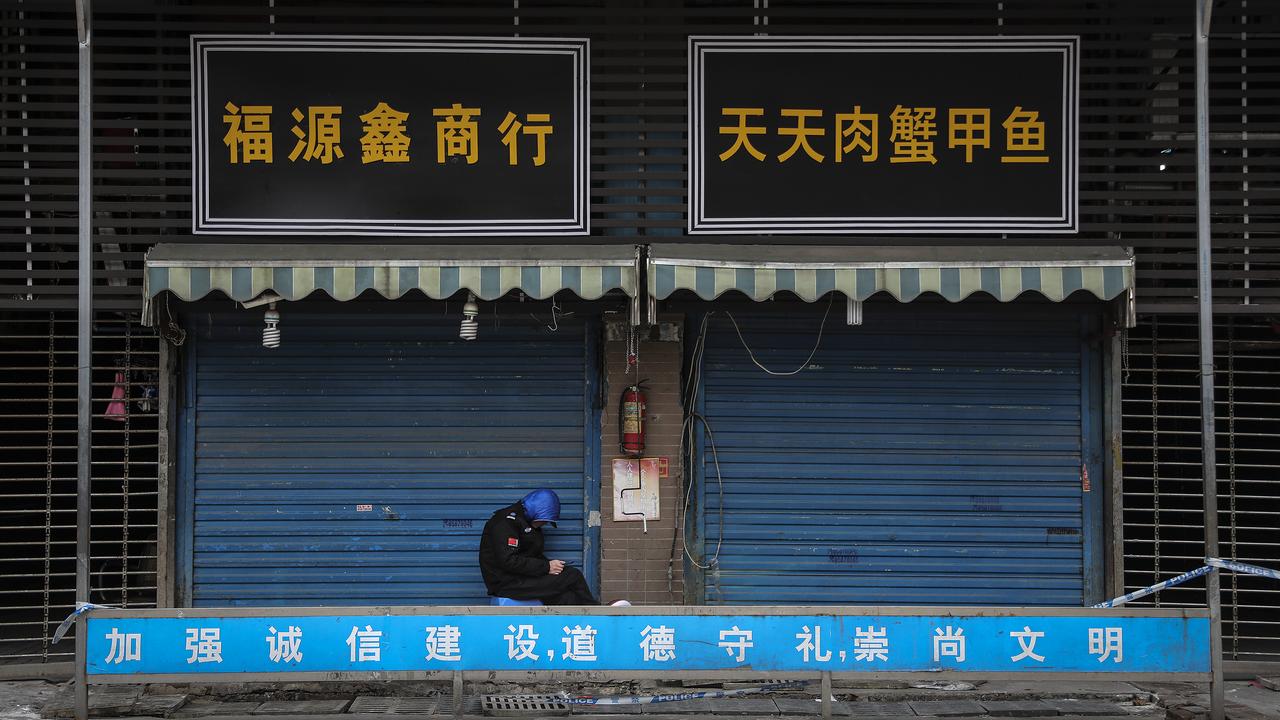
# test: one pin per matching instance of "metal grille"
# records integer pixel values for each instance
(38, 476)
(1137, 121)
(1163, 499)
(370, 704)
(524, 705)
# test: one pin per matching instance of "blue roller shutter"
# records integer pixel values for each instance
(428, 433)
(930, 456)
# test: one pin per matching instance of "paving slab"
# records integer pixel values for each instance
(798, 706)
(947, 708)
(1270, 683)
(1017, 708)
(302, 707)
(206, 707)
(1085, 708)
(879, 709)
(159, 705)
(1266, 703)
(104, 701)
(747, 706)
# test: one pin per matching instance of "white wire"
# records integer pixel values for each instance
(693, 386)
(821, 327)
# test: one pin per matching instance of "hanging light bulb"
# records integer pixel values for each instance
(469, 327)
(271, 331)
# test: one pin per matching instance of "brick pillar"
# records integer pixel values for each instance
(634, 563)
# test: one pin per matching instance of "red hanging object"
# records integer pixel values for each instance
(118, 409)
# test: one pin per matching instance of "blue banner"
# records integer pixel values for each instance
(848, 643)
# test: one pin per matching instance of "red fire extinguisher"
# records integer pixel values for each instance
(631, 411)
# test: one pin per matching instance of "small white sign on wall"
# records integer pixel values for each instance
(635, 489)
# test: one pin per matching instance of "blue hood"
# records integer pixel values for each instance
(542, 504)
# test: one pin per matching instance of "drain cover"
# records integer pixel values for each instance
(393, 705)
(517, 705)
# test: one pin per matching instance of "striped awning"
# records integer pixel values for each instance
(243, 272)
(906, 273)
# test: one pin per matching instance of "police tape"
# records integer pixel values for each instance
(1235, 566)
(1210, 566)
(679, 697)
(1184, 577)
(81, 608)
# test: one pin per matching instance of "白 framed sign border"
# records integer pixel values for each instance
(402, 666)
(699, 223)
(204, 223)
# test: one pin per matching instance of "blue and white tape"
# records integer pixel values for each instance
(1235, 566)
(1184, 577)
(1210, 566)
(65, 627)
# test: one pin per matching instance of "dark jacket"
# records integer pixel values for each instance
(510, 550)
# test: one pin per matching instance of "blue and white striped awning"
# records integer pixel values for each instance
(906, 273)
(243, 272)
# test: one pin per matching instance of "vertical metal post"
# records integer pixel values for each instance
(826, 696)
(84, 335)
(1205, 289)
(459, 702)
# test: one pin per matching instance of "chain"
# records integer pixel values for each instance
(48, 493)
(1124, 353)
(124, 484)
(1155, 448)
(633, 350)
(1231, 473)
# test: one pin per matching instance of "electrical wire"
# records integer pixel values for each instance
(821, 327)
(692, 390)
(693, 386)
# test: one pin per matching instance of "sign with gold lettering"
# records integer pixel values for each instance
(308, 135)
(883, 135)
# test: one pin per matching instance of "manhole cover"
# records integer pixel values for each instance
(393, 705)
(517, 705)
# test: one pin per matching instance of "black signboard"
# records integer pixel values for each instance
(308, 135)
(883, 135)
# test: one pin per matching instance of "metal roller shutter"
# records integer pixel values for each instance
(395, 413)
(926, 457)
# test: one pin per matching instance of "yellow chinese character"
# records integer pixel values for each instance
(322, 136)
(456, 133)
(912, 128)
(742, 131)
(248, 134)
(511, 126)
(384, 139)
(801, 134)
(1024, 132)
(862, 129)
(969, 128)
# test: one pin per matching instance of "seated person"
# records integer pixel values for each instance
(511, 558)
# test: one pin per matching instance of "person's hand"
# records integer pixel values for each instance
(557, 566)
